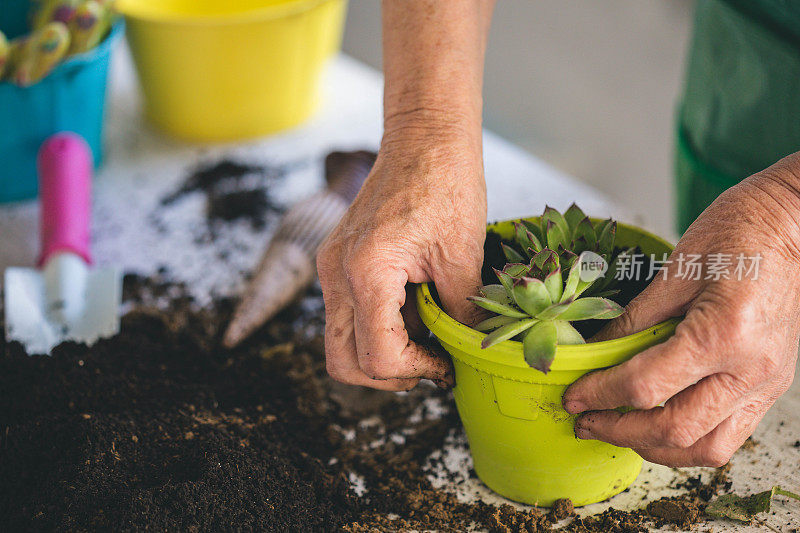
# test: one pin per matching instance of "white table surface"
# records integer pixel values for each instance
(142, 166)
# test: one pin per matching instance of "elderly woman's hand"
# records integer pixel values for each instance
(734, 353)
(421, 216)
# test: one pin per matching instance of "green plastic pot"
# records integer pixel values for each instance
(522, 441)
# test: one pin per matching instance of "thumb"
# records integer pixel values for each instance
(661, 300)
(454, 285)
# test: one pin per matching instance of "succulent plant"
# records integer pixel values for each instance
(548, 283)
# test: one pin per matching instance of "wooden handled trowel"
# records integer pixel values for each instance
(64, 299)
(289, 264)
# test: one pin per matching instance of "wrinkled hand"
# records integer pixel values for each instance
(421, 216)
(734, 353)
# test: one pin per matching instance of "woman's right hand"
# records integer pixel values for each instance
(421, 214)
(420, 217)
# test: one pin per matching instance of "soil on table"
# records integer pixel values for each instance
(159, 428)
(234, 190)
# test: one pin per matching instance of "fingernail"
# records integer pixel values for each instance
(574, 407)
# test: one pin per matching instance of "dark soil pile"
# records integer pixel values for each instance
(251, 205)
(233, 190)
(159, 428)
(156, 429)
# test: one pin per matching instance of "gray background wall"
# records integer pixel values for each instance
(589, 86)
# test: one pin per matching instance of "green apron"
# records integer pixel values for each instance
(740, 109)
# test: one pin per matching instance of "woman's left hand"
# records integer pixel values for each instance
(699, 395)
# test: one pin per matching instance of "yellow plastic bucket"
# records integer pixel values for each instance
(522, 441)
(214, 70)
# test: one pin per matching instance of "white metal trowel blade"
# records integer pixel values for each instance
(26, 317)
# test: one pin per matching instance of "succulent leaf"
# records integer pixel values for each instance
(550, 265)
(495, 322)
(571, 284)
(536, 245)
(526, 239)
(531, 295)
(521, 234)
(579, 246)
(566, 334)
(555, 236)
(606, 294)
(500, 309)
(599, 225)
(506, 279)
(567, 259)
(585, 234)
(554, 284)
(540, 258)
(534, 228)
(539, 345)
(554, 310)
(574, 215)
(508, 331)
(745, 508)
(592, 307)
(614, 311)
(497, 293)
(583, 286)
(605, 239)
(552, 215)
(512, 256)
(515, 269)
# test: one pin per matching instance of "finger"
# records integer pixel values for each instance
(684, 420)
(430, 361)
(340, 348)
(420, 334)
(716, 448)
(648, 379)
(384, 348)
(414, 325)
(661, 300)
(461, 278)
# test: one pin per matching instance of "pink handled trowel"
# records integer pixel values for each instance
(64, 299)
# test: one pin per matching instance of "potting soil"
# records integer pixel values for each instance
(159, 428)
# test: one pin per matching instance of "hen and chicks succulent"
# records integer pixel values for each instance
(554, 276)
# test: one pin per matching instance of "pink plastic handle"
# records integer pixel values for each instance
(65, 184)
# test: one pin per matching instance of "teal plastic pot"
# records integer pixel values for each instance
(71, 98)
(522, 441)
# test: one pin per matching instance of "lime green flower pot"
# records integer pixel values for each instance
(522, 441)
